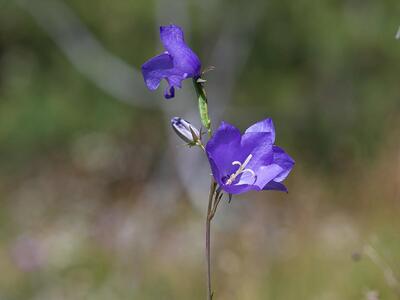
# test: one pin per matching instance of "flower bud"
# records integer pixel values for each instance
(185, 130)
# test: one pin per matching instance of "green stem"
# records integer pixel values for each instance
(212, 198)
(208, 240)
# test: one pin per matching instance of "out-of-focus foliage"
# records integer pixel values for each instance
(75, 162)
(330, 75)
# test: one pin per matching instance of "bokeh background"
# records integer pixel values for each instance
(99, 200)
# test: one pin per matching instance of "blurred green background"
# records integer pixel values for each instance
(94, 202)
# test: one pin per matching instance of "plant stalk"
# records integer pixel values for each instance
(208, 240)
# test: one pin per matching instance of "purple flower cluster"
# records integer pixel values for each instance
(239, 163)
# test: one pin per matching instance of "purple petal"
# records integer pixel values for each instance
(266, 126)
(259, 145)
(236, 189)
(160, 67)
(277, 186)
(169, 92)
(265, 174)
(184, 58)
(171, 35)
(155, 69)
(215, 172)
(284, 161)
(176, 79)
(222, 148)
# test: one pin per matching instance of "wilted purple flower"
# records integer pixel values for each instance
(251, 161)
(177, 63)
(185, 130)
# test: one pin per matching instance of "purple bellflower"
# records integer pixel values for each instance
(177, 63)
(251, 161)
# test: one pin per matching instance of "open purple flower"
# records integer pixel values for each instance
(177, 63)
(251, 161)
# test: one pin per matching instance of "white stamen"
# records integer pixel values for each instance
(247, 161)
(240, 170)
(250, 171)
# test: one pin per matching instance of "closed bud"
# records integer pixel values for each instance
(185, 130)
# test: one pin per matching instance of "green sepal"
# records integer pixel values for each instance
(194, 135)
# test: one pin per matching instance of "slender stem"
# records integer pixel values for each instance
(208, 240)
(208, 229)
(212, 202)
(200, 144)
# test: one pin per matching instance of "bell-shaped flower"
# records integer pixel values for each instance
(251, 161)
(177, 63)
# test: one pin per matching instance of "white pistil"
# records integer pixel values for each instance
(241, 169)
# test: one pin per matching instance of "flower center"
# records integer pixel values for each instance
(242, 169)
